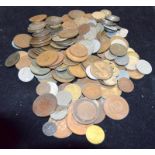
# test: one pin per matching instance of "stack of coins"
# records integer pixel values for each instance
(83, 64)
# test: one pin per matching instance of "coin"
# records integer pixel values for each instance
(25, 74)
(53, 88)
(85, 111)
(113, 18)
(96, 44)
(22, 40)
(62, 129)
(74, 126)
(118, 49)
(74, 90)
(95, 134)
(125, 85)
(38, 18)
(44, 105)
(116, 107)
(77, 71)
(132, 63)
(135, 74)
(12, 59)
(123, 60)
(98, 15)
(76, 13)
(64, 98)
(49, 128)
(91, 91)
(109, 55)
(111, 81)
(83, 29)
(43, 88)
(144, 67)
(123, 73)
(89, 74)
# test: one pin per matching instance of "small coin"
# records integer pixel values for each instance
(123, 73)
(109, 55)
(123, 60)
(22, 40)
(25, 74)
(98, 15)
(12, 59)
(144, 67)
(76, 13)
(113, 18)
(53, 88)
(95, 134)
(38, 18)
(62, 129)
(135, 74)
(125, 85)
(132, 63)
(43, 88)
(116, 107)
(75, 91)
(44, 105)
(64, 98)
(118, 49)
(91, 91)
(49, 128)
(89, 74)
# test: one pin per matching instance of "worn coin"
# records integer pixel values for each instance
(43, 88)
(118, 49)
(123, 60)
(135, 74)
(38, 18)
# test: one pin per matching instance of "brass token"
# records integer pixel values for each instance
(22, 40)
(77, 71)
(75, 91)
(95, 134)
(38, 18)
(92, 91)
(44, 105)
(47, 58)
(125, 85)
(116, 107)
(135, 74)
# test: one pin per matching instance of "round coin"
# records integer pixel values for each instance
(135, 74)
(38, 18)
(43, 88)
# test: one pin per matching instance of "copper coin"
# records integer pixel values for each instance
(79, 50)
(105, 44)
(84, 28)
(62, 129)
(53, 20)
(125, 85)
(44, 105)
(135, 74)
(43, 88)
(76, 13)
(92, 91)
(116, 107)
(12, 59)
(47, 58)
(69, 25)
(73, 125)
(22, 40)
(38, 18)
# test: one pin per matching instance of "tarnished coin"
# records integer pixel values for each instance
(12, 59)
(123, 60)
(144, 67)
(25, 74)
(74, 126)
(116, 107)
(64, 98)
(74, 90)
(85, 111)
(62, 129)
(43, 88)
(38, 18)
(44, 105)
(60, 113)
(135, 74)
(95, 134)
(91, 91)
(49, 128)
(125, 85)
(22, 40)
(118, 49)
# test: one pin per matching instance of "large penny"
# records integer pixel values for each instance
(44, 105)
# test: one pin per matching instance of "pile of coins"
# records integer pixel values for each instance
(83, 64)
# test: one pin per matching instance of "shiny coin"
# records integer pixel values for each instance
(116, 107)
(74, 90)
(12, 59)
(125, 85)
(96, 44)
(49, 128)
(53, 88)
(44, 105)
(25, 74)
(89, 74)
(64, 98)
(113, 18)
(43, 88)
(132, 63)
(124, 60)
(144, 67)
(95, 134)
(109, 55)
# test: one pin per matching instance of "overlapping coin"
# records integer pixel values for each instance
(83, 63)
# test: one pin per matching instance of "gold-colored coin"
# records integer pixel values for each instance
(131, 52)
(75, 91)
(98, 15)
(132, 63)
(95, 134)
(135, 74)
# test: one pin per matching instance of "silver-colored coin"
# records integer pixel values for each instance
(64, 98)
(96, 44)
(113, 18)
(122, 74)
(144, 67)
(99, 28)
(25, 74)
(110, 28)
(60, 113)
(109, 55)
(43, 77)
(122, 32)
(124, 60)
(108, 22)
(111, 34)
(89, 74)
(53, 88)
(49, 128)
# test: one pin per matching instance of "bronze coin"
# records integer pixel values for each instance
(84, 28)
(76, 13)
(70, 24)
(135, 74)
(92, 91)
(116, 107)
(12, 59)
(125, 85)
(43, 88)
(44, 105)
(118, 49)
(38, 18)
(105, 44)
